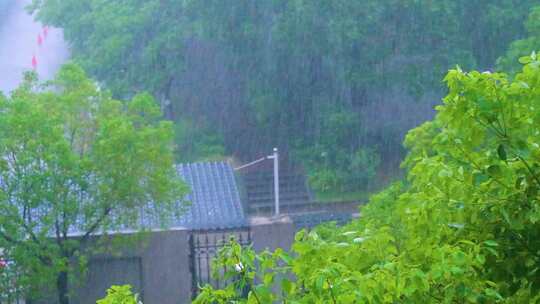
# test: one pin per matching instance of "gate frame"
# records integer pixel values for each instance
(203, 248)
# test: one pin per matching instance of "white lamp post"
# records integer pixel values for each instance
(275, 157)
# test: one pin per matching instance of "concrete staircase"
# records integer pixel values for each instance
(259, 188)
(296, 199)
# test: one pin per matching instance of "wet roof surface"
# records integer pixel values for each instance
(214, 203)
(215, 200)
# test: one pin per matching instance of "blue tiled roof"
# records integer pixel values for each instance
(215, 200)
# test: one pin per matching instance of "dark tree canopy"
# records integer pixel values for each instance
(240, 77)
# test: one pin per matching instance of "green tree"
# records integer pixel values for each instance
(463, 228)
(76, 164)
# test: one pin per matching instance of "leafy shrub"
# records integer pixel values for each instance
(363, 166)
(323, 179)
(120, 295)
(339, 170)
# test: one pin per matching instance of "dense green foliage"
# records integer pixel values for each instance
(251, 75)
(463, 228)
(75, 162)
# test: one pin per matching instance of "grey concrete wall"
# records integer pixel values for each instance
(272, 233)
(157, 267)
(166, 273)
(103, 272)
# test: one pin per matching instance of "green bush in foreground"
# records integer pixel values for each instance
(463, 228)
(120, 295)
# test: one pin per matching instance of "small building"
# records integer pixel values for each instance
(169, 266)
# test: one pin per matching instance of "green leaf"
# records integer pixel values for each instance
(505, 215)
(525, 59)
(479, 178)
(531, 191)
(493, 293)
(501, 152)
(519, 182)
(480, 259)
(491, 243)
(286, 285)
(524, 85)
(494, 170)
(268, 278)
(523, 149)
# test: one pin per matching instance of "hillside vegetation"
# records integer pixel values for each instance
(334, 84)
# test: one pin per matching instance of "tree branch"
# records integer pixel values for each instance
(96, 224)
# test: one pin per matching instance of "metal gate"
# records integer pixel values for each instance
(204, 246)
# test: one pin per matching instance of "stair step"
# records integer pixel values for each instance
(282, 191)
(259, 189)
(283, 208)
(283, 198)
(271, 175)
(271, 183)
